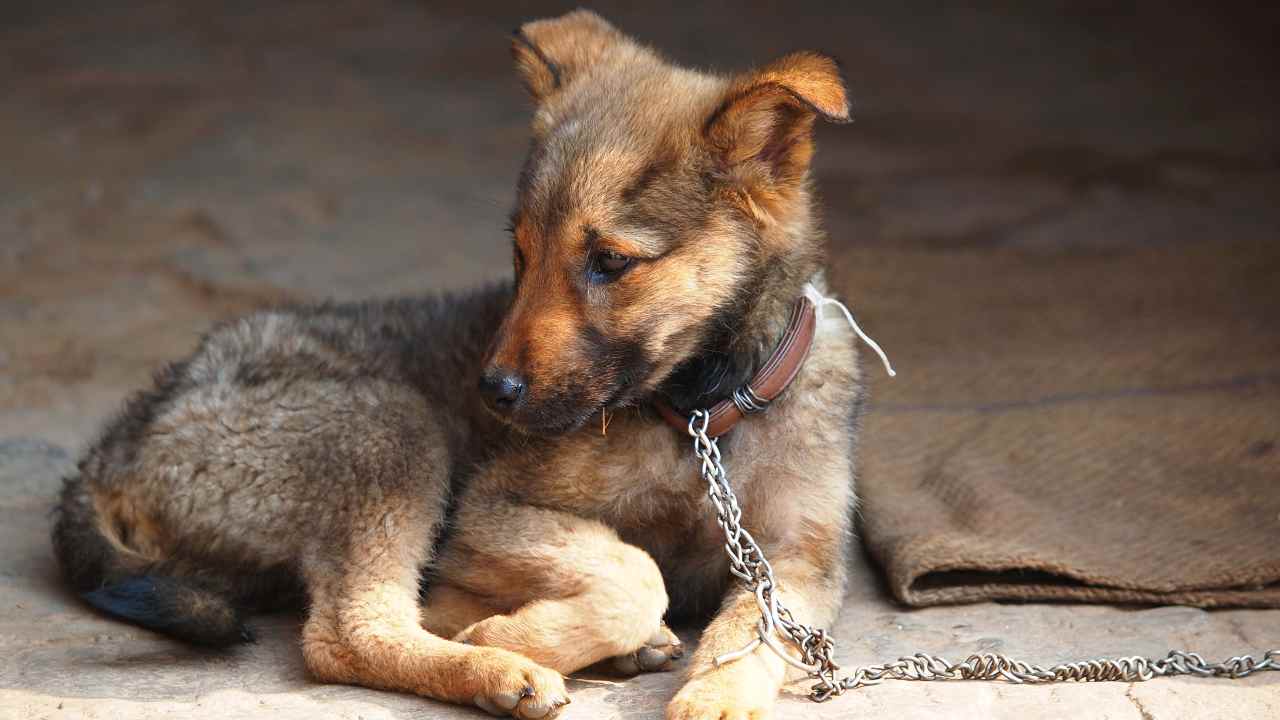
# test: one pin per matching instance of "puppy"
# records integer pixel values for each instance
(477, 546)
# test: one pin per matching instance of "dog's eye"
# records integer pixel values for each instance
(611, 262)
(606, 265)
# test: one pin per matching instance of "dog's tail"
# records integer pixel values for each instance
(118, 580)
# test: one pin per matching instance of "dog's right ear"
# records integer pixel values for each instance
(550, 53)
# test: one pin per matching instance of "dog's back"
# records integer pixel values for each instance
(197, 499)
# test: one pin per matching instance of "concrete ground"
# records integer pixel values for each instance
(168, 164)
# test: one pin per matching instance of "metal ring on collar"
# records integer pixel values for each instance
(748, 401)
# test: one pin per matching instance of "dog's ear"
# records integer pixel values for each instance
(761, 133)
(550, 53)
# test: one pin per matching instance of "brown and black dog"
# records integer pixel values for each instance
(476, 547)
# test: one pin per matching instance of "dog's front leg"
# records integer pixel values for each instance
(562, 590)
(812, 587)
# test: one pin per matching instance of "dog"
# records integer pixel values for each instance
(475, 495)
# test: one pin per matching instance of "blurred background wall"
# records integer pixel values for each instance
(169, 163)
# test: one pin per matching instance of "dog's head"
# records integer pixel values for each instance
(655, 204)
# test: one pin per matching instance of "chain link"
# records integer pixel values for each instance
(815, 647)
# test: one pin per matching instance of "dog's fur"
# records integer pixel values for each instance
(341, 453)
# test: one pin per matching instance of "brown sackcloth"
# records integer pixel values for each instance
(1101, 426)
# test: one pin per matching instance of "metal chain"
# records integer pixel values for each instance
(815, 647)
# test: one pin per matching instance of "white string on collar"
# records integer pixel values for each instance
(820, 301)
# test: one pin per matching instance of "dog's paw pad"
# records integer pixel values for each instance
(658, 654)
(528, 692)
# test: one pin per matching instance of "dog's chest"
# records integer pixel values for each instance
(643, 480)
(636, 474)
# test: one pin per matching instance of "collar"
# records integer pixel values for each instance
(769, 381)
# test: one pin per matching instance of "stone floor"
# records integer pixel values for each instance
(168, 164)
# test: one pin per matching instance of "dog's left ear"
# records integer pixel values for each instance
(550, 53)
(761, 133)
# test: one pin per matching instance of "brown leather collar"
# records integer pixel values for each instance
(767, 384)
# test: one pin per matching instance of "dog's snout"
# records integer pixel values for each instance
(502, 389)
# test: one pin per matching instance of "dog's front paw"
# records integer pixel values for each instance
(657, 654)
(702, 708)
(723, 695)
(517, 687)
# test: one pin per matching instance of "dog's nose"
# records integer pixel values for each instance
(502, 390)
